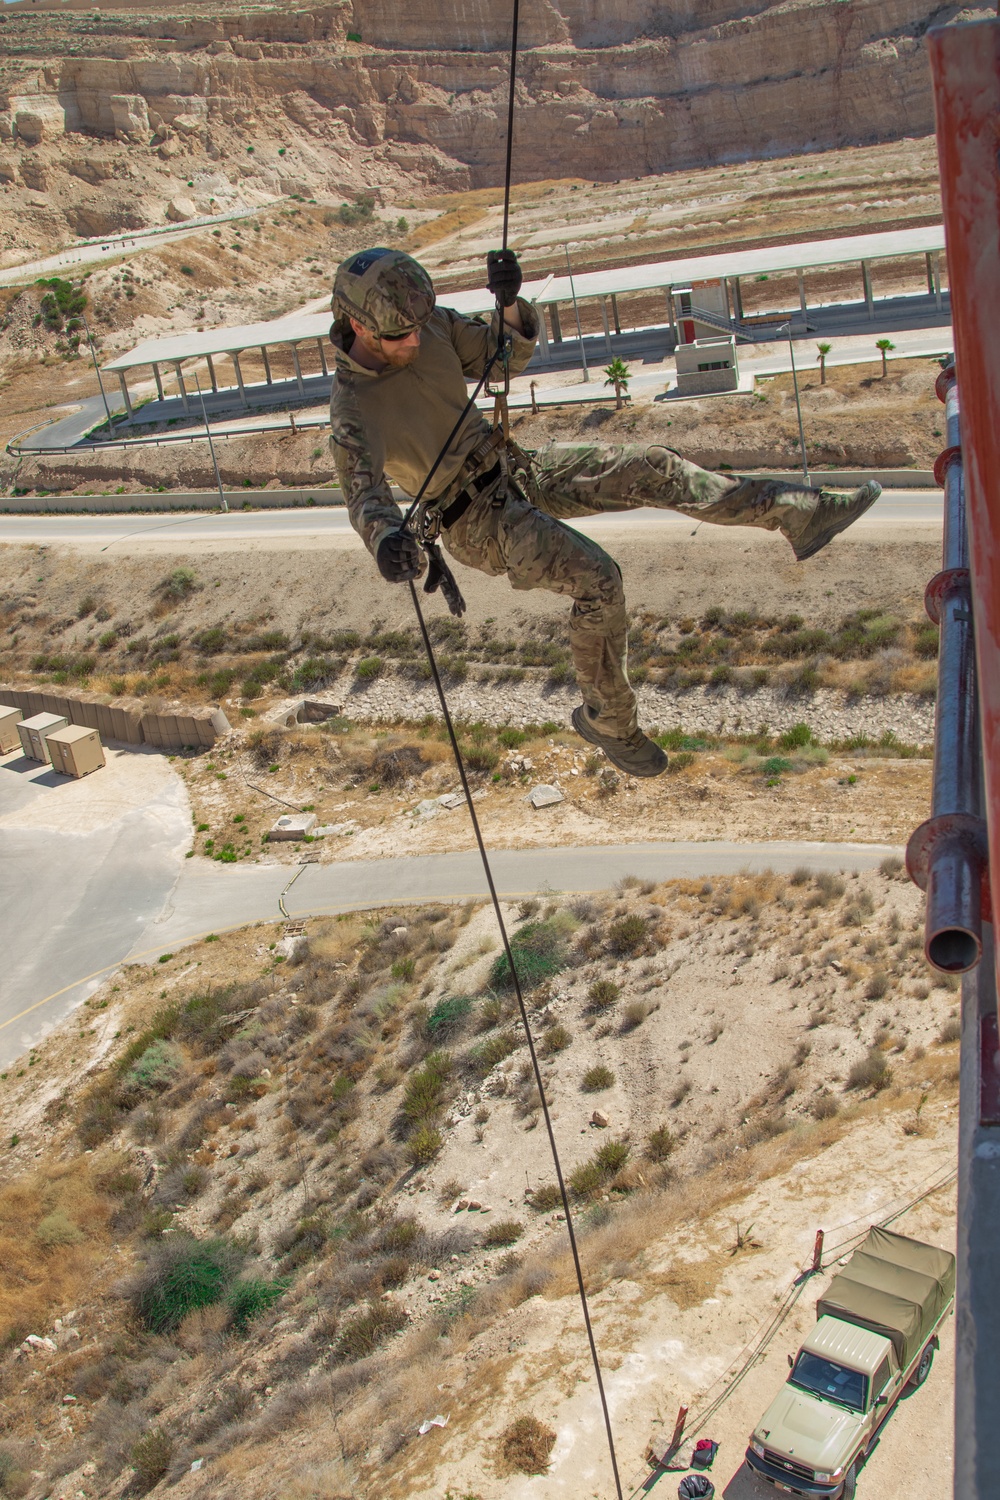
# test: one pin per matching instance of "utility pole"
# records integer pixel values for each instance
(211, 445)
(798, 403)
(576, 309)
(97, 370)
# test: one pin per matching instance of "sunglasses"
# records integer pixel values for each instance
(397, 338)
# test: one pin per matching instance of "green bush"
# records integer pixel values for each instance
(546, 1198)
(627, 935)
(361, 1335)
(150, 1459)
(181, 1274)
(539, 951)
(556, 1039)
(796, 737)
(368, 668)
(448, 1014)
(659, 1143)
(493, 1050)
(157, 1068)
(249, 1297)
(178, 585)
(607, 1161)
(511, 739)
(425, 1092)
(597, 1078)
(315, 673)
(210, 642)
(603, 994)
(423, 1145)
(481, 757)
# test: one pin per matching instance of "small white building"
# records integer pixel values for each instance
(707, 367)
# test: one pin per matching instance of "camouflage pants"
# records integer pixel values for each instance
(530, 544)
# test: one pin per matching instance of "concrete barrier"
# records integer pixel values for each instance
(179, 500)
(184, 500)
(129, 725)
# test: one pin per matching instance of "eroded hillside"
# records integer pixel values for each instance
(110, 119)
(276, 1200)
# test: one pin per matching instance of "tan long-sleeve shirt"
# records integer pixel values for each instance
(388, 426)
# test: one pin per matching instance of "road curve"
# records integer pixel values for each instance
(207, 897)
(895, 508)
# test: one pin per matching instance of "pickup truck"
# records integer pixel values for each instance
(876, 1332)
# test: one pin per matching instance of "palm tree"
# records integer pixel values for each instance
(824, 350)
(883, 346)
(618, 374)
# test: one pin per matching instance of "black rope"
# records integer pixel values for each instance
(512, 78)
(536, 1069)
(404, 524)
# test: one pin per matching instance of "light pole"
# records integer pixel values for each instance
(97, 370)
(211, 445)
(576, 309)
(798, 404)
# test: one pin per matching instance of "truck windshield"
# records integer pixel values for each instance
(823, 1378)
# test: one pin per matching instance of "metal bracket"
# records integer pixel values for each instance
(937, 830)
(945, 457)
(949, 580)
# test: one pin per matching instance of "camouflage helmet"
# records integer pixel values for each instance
(386, 291)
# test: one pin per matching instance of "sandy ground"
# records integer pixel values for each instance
(662, 1354)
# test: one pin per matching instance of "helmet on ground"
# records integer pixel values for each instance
(386, 291)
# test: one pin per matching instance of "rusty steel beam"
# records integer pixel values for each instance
(965, 65)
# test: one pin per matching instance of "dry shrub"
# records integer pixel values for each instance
(43, 1273)
(951, 1031)
(872, 1072)
(504, 1232)
(525, 1447)
(150, 1459)
(264, 746)
(824, 1106)
(546, 1198)
(361, 1335)
(627, 936)
(597, 1078)
(602, 995)
(659, 1144)
(394, 765)
(633, 1015)
(878, 985)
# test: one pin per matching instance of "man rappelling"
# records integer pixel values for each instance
(400, 403)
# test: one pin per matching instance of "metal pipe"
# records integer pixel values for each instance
(798, 403)
(576, 310)
(965, 68)
(946, 854)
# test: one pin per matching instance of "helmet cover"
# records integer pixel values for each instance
(386, 291)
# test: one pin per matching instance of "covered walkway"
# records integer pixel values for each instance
(293, 352)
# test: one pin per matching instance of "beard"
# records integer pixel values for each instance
(398, 359)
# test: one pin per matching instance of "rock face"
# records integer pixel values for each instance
(604, 91)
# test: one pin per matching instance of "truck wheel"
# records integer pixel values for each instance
(922, 1371)
(850, 1483)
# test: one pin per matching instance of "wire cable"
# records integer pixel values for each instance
(526, 1024)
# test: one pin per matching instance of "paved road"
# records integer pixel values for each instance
(209, 897)
(119, 246)
(896, 507)
(79, 881)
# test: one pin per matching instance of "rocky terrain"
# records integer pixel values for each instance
(274, 1201)
(118, 118)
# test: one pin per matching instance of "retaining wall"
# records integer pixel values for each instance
(128, 725)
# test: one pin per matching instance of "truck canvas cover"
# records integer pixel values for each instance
(895, 1286)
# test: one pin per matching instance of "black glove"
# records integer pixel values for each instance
(503, 276)
(440, 576)
(398, 557)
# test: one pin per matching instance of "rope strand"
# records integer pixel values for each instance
(526, 1024)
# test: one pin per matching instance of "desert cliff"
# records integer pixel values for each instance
(115, 119)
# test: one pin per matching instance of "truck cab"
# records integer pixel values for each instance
(842, 1384)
